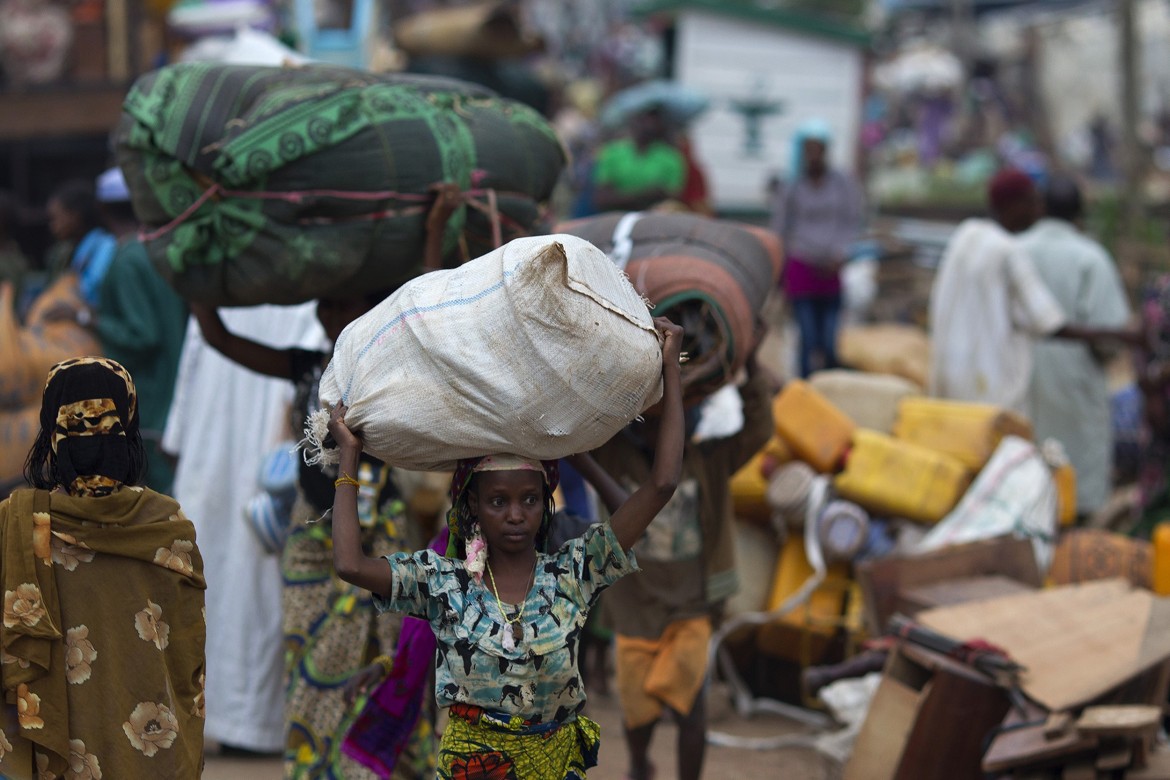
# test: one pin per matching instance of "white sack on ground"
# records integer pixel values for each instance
(1013, 494)
(540, 348)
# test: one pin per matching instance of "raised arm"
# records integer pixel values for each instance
(350, 561)
(250, 354)
(612, 494)
(630, 520)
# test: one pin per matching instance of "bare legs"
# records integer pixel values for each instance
(692, 739)
(638, 743)
(692, 743)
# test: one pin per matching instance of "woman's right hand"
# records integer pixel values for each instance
(345, 438)
(448, 198)
(362, 683)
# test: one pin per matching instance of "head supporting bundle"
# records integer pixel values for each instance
(465, 539)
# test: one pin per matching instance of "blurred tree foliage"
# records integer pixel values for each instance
(1103, 221)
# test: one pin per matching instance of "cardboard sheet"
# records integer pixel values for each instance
(1076, 642)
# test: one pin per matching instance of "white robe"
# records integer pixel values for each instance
(986, 306)
(223, 420)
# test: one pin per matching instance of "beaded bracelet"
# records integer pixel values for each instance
(346, 479)
(385, 662)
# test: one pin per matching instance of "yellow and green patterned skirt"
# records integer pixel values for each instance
(481, 745)
(332, 631)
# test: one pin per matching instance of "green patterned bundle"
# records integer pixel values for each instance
(280, 185)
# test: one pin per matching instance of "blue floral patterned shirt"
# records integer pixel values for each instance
(538, 679)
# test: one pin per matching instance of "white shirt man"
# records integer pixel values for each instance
(986, 307)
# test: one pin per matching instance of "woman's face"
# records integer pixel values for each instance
(64, 224)
(814, 157)
(509, 506)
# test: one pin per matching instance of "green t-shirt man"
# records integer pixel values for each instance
(627, 170)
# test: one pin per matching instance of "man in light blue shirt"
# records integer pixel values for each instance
(1069, 395)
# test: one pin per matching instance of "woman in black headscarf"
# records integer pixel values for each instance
(102, 638)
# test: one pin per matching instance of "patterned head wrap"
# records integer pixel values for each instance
(90, 414)
(459, 518)
(1009, 186)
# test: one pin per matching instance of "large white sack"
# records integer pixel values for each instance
(1013, 494)
(541, 348)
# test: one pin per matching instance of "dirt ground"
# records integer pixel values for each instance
(722, 763)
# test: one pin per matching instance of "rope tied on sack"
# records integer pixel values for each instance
(315, 447)
(972, 651)
(482, 199)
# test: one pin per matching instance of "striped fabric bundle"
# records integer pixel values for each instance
(710, 276)
(280, 185)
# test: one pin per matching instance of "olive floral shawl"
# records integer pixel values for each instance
(102, 638)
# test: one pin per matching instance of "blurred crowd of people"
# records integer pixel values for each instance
(219, 393)
(1026, 313)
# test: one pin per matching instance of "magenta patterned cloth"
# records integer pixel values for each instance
(1155, 310)
(385, 724)
(804, 280)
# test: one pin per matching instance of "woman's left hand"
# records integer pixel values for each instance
(340, 432)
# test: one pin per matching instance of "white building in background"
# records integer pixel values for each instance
(766, 70)
(1079, 74)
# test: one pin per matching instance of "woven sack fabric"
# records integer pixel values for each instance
(279, 185)
(541, 348)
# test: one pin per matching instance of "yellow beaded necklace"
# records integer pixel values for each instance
(511, 638)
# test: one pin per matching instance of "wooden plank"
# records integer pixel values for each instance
(1114, 757)
(958, 591)
(958, 712)
(44, 114)
(1079, 772)
(1027, 746)
(882, 580)
(1057, 725)
(1132, 720)
(883, 735)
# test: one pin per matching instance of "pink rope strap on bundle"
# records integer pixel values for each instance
(485, 200)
